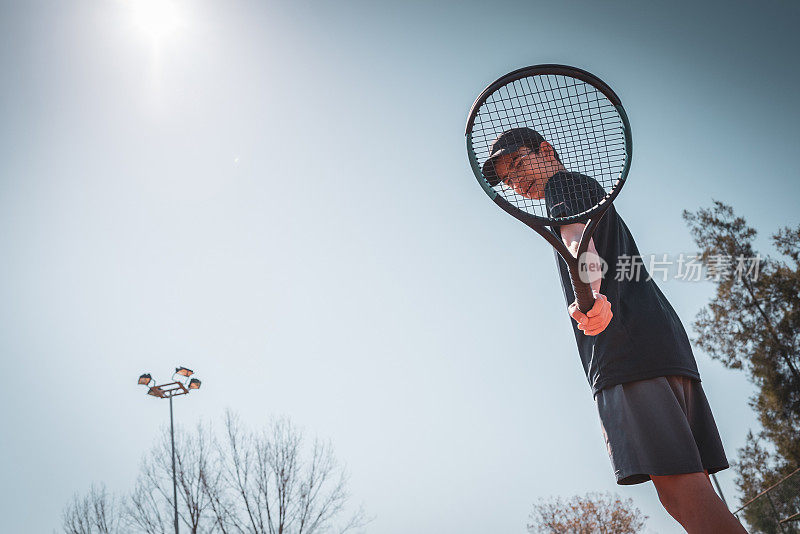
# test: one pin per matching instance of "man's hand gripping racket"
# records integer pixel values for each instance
(551, 145)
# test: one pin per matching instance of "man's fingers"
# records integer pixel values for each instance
(588, 325)
(598, 320)
(578, 315)
(600, 304)
(596, 327)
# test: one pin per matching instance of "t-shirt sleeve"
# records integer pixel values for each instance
(566, 195)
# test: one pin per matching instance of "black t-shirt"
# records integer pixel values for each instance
(645, 338)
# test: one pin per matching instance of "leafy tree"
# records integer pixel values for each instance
(591, 514)
(753, 324)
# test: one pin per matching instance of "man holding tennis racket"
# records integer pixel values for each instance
(655, 417)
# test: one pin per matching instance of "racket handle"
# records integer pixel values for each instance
(582, 291)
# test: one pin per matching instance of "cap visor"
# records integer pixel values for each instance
(489, 172)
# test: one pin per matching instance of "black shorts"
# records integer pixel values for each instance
(660, 426)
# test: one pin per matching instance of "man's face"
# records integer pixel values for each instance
(527, 172)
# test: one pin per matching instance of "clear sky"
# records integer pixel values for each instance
(277, 195)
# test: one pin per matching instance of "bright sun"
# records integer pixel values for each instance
(157, 18)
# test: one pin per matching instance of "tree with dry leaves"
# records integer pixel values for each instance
(590, 514)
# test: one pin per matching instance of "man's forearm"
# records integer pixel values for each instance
(571, 235)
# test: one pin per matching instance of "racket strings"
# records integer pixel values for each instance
(574, 117)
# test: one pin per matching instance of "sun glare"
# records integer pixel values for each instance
(157, 18)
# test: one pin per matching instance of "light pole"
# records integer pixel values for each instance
(167, 391)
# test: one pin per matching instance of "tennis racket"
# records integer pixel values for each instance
(551, 145)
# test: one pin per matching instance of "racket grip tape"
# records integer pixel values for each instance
(582, 291)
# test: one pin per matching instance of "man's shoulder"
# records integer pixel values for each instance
(569, 193)
(569, 177)
(566, 182)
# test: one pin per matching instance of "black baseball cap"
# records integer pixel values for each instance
(509, 142)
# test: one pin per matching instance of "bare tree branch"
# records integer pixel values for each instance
(97, 512)
(143, 510)
(280, 485)
(267, 482)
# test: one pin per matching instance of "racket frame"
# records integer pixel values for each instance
(592, 217)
